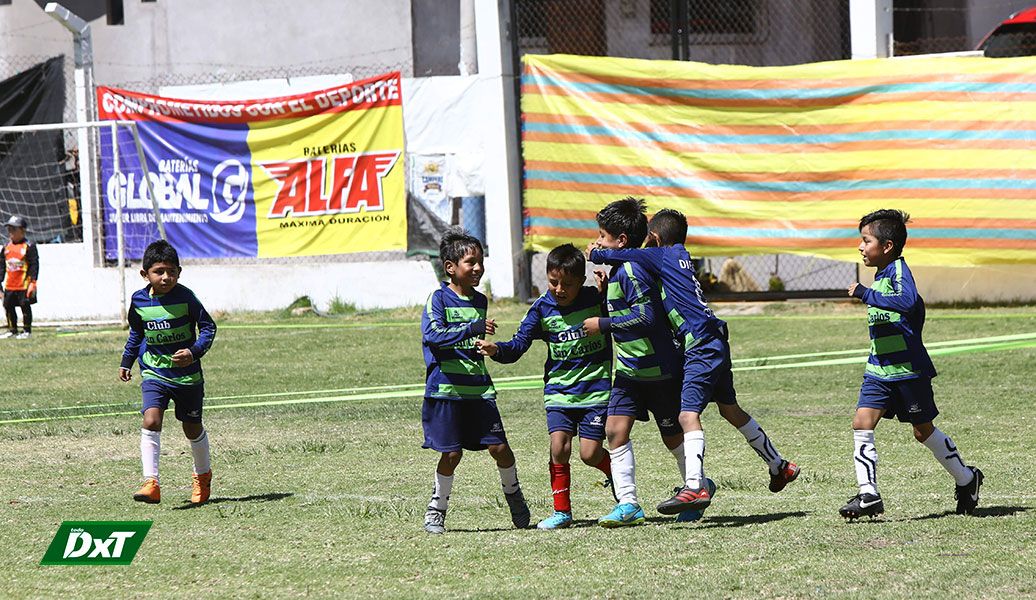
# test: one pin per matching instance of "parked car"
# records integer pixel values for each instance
(1016, 36)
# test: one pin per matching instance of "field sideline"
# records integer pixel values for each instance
(320, 485)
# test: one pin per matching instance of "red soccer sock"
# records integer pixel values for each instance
(605, 465)
(560, 480)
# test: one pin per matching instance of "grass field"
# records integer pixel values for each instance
(320, 484)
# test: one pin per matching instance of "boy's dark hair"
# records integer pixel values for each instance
(670, 226)
(625, 216)
(455, 244)
(888, 225)
(160, 251)
(567, 259)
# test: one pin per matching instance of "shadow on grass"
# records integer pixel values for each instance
(734, 521)
(982, 511)
(255, 498)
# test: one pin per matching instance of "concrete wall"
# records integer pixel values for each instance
(205, 37)
(988, 283)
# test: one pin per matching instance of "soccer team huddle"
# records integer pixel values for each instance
(672, 358)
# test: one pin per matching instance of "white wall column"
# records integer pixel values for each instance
(871, 27)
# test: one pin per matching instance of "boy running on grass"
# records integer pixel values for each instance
(707, 373)
(898, 379)
(169, 333)
(648, 369)
(459, 410)
(576, 375)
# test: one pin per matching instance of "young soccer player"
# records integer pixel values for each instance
(576, 374)
(459, 411)
(22, 267)
(898, 379)
(170, 331)
(648, 369)
(707, 373)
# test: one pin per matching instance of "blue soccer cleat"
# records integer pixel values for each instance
(692, 514)
(558, 520)
(623, 515)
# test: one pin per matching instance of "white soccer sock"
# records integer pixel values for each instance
(441, 491)
(200, 451)
(760, 442)
(624, 474)
(150, 447)
(509, 478)
(694, 458)
(681, 461)
(946, 453)
(865, 458)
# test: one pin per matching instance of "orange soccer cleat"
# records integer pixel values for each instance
(201, 487)
(786, 473)
(149, 492)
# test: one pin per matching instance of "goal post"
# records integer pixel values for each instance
(114, 212)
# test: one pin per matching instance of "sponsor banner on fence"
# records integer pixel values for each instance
(311, 174)
(787, 159)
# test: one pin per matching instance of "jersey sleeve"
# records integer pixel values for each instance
(901, 299)
(32, 261)
(649, 258)
(206, 328)
(435, 331)
(641, 313)
(528, 331)
(135, 339)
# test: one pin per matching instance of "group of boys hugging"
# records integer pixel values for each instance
(672, 358)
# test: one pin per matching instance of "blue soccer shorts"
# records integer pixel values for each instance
(187, 398)
(707, 375)
(452, 425)
(909, 400)
(588, 423)
(630, 398)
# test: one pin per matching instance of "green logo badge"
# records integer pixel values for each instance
(96, 543)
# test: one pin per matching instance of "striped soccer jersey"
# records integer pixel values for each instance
(688, 312)
(895, 317)
(577, 372)
(450, 325)
(161, 325)
(644, 351)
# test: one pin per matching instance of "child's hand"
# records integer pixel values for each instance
(652, 240)
(125, 374)
(183, 357)
(592, 326)
(852, 288)
(602, 280)
(486, 348)
(590, 248)
(490, 327)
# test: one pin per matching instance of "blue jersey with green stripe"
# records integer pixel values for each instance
(450, 325)
(895, 317)
(644, 350)
(161, 325)
(578, 369)
(688, 312)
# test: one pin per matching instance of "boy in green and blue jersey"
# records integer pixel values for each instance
(576, 374)
(170, 331)
(707, 375)
(648, 367)
(897, 381)
(459, 411)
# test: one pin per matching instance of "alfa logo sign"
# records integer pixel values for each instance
(96, 543)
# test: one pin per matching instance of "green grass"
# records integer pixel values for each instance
(326, 499)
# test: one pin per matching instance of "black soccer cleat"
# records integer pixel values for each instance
(863, 505)
(967, 495)
(520, 515)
